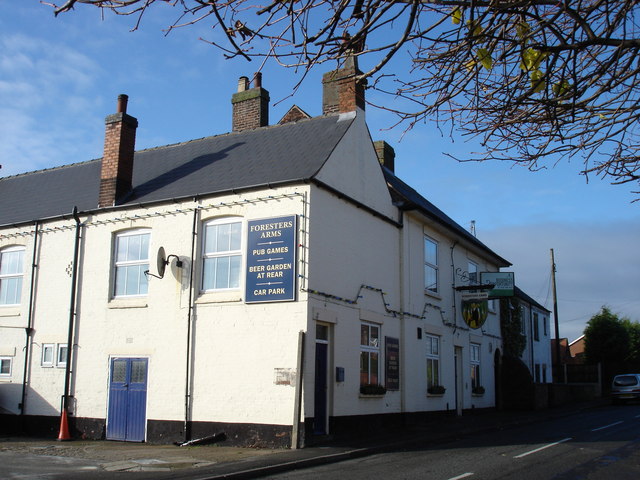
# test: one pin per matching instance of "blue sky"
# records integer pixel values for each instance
(59, 78)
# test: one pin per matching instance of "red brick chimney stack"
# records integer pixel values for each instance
(250, 106)
(341, 93)
(117, 161)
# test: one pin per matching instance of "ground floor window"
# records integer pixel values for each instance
(475, 366)
(369, 354)
(61, 358)
(5, 366)
(433, 360)
(48, 352)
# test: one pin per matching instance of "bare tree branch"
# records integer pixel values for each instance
(535, 81)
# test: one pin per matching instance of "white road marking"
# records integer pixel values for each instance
(543, 447)
(464, 475)
(606, 426)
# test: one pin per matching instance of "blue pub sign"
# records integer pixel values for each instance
(271, 260)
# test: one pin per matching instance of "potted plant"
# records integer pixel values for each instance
(372, 389)
(479, 390)
(436, 390)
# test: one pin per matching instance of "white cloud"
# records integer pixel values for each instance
(47, 108)
(596, 264)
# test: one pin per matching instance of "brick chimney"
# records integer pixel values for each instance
(117, 161)
(386, 154)
(341, 93)
(250, 106)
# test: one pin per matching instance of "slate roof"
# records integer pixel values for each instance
(276, 155)
(410, 199)
(520, 294)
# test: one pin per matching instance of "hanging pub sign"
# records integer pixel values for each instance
(475, 308)
(271, 260)
(503, 282)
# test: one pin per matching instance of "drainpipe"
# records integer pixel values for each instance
(187, 389)
(403, 336)
(29, 327)
(72, 311)
(453, 287)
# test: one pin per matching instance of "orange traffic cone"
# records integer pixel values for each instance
(64, 427)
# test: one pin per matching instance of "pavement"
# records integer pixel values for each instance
(213, 462)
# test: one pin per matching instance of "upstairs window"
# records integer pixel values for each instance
(536, 327)
(131, 261)
(222, 254)
(430, 265)
(11, 273)
(472, 269)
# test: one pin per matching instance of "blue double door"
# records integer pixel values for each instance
(127, 412)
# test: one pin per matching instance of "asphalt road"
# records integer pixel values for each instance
(593, 445)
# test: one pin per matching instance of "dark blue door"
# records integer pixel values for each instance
(320, 391)
(126, 418)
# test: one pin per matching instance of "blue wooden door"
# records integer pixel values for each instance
(320, 390)
(127, 413)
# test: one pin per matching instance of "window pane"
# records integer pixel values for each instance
(222, 272)
(234, 271)
(364, 368)
(430, 278)
(210, 238)
(119, 373)
(11, 262)
(430, 251)
(10, 289)
(236, 236)
(208, 274)
(373, 373)
(322, 332)
(138, 371)
(224, 238)
(5, 366)
(373, 341)
(62, 355)
(364, 335)
(47, 355)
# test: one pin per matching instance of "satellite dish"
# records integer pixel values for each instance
(161, 262)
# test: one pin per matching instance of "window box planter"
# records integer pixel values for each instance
(436, 391)
(478, 391)
(372, 390)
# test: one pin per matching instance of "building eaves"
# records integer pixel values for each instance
(411, 199)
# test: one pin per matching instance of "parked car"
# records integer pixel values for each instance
(625, 387)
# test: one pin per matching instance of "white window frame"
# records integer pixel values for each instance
(11, 276)
(431, 265)
(208, 285)
(4, 361)
(142, 264)
(367, 352)
(474, 361)
(61, 361)
(432, 352)
(51, 349)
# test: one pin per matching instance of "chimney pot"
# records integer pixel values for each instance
(122, 103)
(257, 82)
(243, 84)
